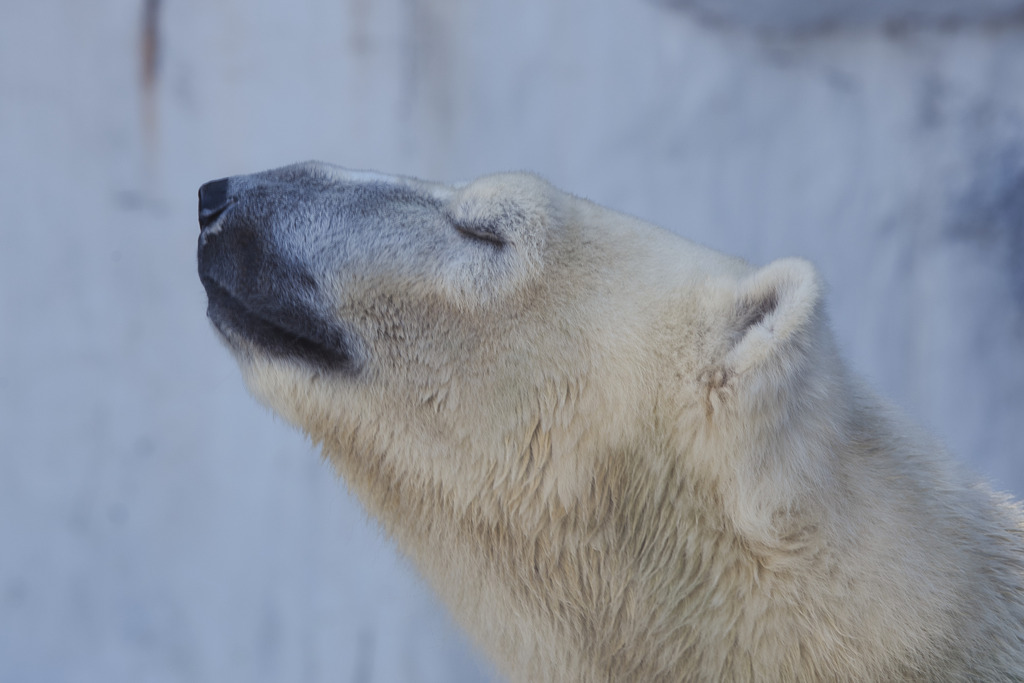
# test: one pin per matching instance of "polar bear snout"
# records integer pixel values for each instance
(213, 201)
(263, 298)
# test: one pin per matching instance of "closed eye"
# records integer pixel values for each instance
(481, 232)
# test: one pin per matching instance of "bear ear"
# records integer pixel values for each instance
(773, 317)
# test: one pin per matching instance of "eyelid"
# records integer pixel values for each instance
(483, 233)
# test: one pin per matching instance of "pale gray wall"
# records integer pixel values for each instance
(158, 525)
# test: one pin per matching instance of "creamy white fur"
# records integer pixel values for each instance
(620, 456)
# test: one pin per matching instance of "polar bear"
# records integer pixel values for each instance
(615, 454)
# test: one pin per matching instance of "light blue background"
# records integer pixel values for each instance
(156, 524)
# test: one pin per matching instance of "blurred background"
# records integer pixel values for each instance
(156, 524)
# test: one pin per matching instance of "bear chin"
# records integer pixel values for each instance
(294, 334)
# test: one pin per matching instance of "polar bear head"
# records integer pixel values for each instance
(503, 341)
(617, 455)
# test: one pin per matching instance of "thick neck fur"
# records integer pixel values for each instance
(615, 586)
(690, 552)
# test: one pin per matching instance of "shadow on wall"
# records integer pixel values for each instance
(797, 16)
(990, 213)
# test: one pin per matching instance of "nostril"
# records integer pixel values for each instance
(213, 199)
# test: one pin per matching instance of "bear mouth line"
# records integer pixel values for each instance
(294, 334)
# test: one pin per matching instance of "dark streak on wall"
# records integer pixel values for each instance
(149, 47)
(150, 42)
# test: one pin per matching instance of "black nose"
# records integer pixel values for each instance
(213, 199)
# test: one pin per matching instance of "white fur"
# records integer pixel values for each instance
(620, 456)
